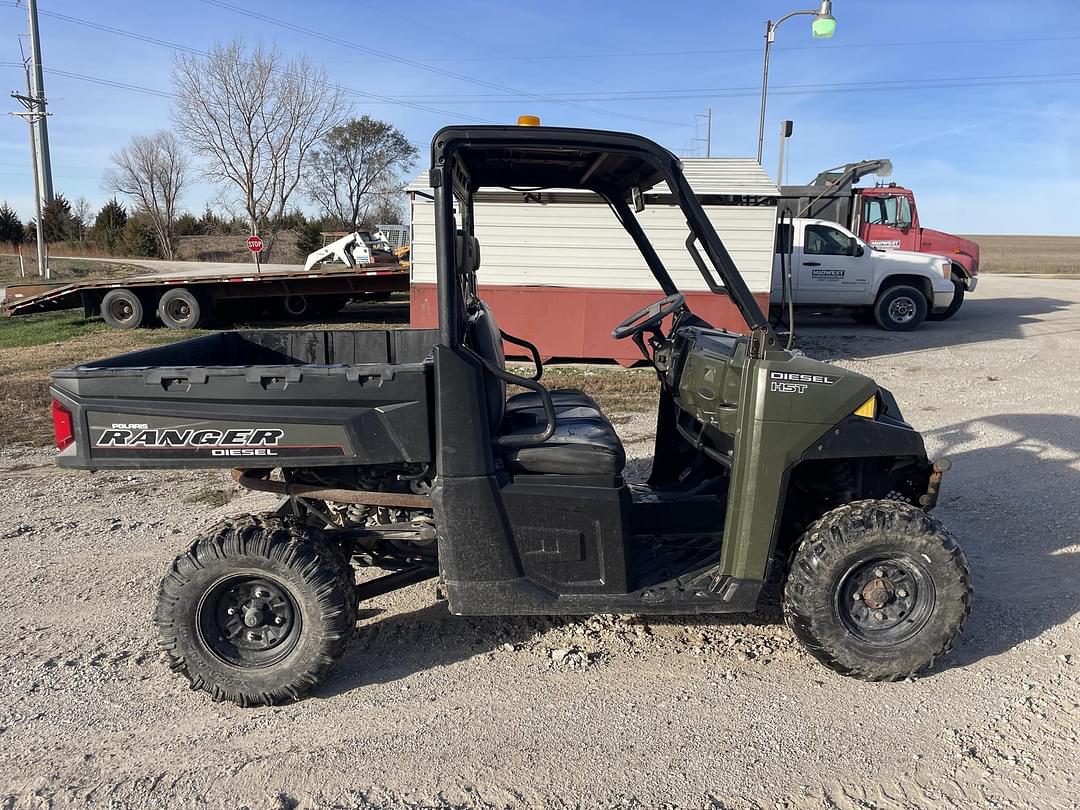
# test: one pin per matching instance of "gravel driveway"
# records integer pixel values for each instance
(431, 710)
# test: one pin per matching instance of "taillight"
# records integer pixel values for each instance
(63, 428)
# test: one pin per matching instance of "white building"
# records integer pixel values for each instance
(564, 252)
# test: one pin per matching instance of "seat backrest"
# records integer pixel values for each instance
(482, 333)
(484, 338)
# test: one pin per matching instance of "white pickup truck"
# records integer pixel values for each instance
(833, 269)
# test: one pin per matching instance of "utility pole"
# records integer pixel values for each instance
(708, 132)
(31, 115)
(37, 90)
(707, 115)
(786, 128)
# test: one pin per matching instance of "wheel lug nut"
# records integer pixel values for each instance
(231, 611)
(857, 596)
(253, 636)
(879, 615)
(279, 620)
(901, 593)
(879, 572)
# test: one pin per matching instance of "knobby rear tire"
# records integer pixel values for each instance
(315, 578)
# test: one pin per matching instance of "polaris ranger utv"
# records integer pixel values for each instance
(773, 475)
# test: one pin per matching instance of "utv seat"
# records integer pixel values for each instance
(583, 442)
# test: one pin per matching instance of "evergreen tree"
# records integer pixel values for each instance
(11, 227)
(109, 226)
(58, 223)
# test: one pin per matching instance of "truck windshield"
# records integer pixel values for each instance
(894, 212)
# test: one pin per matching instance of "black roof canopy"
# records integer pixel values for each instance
(552, 157)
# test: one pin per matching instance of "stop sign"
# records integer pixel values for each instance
(254, 244)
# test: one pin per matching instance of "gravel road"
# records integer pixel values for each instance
(430, 710)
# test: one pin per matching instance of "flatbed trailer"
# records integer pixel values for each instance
(186, 298)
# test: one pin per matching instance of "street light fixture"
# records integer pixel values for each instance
(823, 27)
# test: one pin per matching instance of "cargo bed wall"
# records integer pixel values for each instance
(274, 398)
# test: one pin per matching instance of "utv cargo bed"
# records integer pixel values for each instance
(260, 398)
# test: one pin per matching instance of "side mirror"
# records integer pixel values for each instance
(858, 250)
(638, 199)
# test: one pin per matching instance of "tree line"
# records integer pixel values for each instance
(267, 131)
(119, 231)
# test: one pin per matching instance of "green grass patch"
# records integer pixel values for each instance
(48, 327)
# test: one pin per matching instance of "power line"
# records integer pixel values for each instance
(789, 89)
(98, 80)
(196, 52)
(722, 51)
(325, 37)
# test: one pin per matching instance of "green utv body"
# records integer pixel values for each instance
(774, 477)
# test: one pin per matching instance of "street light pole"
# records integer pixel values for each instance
(823, 28)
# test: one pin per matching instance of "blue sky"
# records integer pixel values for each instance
(977, 103)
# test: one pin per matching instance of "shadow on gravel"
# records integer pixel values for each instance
(836, 337)
(401, 644)
(1022, 528)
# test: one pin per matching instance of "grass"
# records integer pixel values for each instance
(1044, 255)
(50, 327)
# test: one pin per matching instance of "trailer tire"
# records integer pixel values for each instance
(123, 309)
(257, 610)
(296, 307)
(900, 308)
(954, 305)
(877, 590)
(181, 308)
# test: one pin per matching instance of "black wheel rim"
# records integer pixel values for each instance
(885, 601)
(249, 621)
(122, 310)
(178, 310)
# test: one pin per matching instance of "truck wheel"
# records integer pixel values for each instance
(900, 308)
(180, 308)
(954, 305)
(295, 306)
(877, 590)
(257, 610)
(123, 309)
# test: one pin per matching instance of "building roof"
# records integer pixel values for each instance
(707, 176)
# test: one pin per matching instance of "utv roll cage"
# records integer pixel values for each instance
(611, 164)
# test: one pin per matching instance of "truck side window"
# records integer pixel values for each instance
(821, 240)
(903, 218)
(874, 211)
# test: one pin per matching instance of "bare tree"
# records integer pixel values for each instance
(254, 117)
(81, 211)
(152, 170)
(355, 169)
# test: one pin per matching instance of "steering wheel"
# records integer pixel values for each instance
(648, 317)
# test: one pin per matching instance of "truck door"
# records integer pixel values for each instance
(833, 267)
(887, 222)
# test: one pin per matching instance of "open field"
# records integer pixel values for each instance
(429, 710)
(1029, 254)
